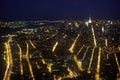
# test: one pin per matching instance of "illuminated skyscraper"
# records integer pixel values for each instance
(89, 21)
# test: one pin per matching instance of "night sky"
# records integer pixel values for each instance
(59, 9)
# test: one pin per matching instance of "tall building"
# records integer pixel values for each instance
(89, 21)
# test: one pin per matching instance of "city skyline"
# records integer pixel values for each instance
(60, 39)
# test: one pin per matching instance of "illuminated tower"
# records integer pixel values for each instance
(89, 21)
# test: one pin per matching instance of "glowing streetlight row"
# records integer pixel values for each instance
(79, 63)
(97, 75)
(89, 67)
(106, 42)
(73, 45)
(118, 65)
(80, 49)
(20, 53)
(85, 54)
(29, 64)
(6, 77)
(32, 44)
(9, 60)
(94, 38)
(54, 47)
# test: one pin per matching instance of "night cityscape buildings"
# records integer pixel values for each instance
(60, 50)
(59, 39)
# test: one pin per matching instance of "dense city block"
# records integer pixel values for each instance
(60, 50)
